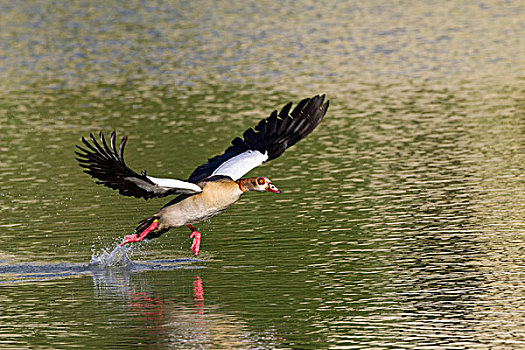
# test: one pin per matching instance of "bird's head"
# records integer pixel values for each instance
(259, 184)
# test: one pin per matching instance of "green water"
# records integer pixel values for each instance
(401, 222)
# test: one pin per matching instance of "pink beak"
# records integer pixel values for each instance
(271, 188)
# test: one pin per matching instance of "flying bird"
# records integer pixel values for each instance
(214, 185)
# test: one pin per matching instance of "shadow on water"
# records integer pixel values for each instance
(103, 267)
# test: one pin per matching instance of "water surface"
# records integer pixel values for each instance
(400, 224)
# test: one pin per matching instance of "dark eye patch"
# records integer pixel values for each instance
(260, 181)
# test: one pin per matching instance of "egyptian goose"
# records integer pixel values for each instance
(213, 186)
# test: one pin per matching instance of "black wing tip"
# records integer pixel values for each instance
(316, 109)
(317, 102)
(308, 108)
(99, 157)
(94, 145)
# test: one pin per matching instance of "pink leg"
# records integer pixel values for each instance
(196, 235)
(135, 238)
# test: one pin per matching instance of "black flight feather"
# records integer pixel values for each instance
(107, 165)
(272, 135)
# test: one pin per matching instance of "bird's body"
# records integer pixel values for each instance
(216, 196)
(213, 186)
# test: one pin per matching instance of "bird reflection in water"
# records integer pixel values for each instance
(151, 308)
(171, 317)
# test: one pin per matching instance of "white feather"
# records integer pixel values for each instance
(239, 165)
(174, 183)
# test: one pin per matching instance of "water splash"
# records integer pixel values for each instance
(118, 257)
(106, 267)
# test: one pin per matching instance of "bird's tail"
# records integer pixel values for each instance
(146, 224)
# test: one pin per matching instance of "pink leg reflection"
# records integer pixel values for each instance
(198, 295)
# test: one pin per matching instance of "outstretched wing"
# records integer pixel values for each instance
(106, 164)
(271, 137)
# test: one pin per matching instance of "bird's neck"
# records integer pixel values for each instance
(247, 184)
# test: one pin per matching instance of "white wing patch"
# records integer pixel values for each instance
(239, 165)
(174, 183)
